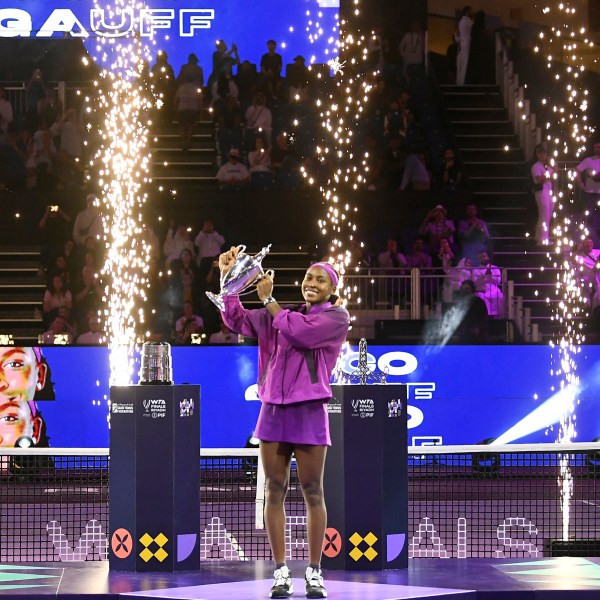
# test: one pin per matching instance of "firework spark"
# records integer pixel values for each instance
(122, 161)
(567, 130)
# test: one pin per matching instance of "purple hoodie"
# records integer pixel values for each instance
(297, 352)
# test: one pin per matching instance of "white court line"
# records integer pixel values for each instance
(60, 581)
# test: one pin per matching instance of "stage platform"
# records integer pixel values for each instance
(442, 579)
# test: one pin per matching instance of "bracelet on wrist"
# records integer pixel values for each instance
(268, 300)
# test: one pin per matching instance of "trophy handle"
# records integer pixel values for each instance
(241, 249)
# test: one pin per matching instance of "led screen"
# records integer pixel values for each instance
(180, 27)
(456, 395)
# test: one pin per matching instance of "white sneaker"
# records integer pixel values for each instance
(314, 583)
(282, 584)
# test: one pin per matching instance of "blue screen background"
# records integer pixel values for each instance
(480, 392)
(249, 25)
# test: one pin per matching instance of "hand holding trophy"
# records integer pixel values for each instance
(238, 272)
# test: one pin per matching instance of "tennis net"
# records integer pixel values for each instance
(464, 502)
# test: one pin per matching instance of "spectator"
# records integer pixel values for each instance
(395, 161)
(480, 53)
(184, 283)
(473, 328)
(6, 117)
(318, 166)
(88, 222)
(454, 277)
(259, 159)
(417, 176)
(191, 72)
(35, 91)
(465, 24)
(488, 281)
(59, 268)
(87, 296)
(452, 174)
(412, 50)
(208, 241)
(71, 134)
(376, 47)
(436, 226)
(419, 259)
(13, 159)
(390, 258)
(394, 121)
(94, 334)
(54, 226)
(299, 80)
(177, 240)
(49, 108)
(285, 162)
(69, 167)
(44, 156)
(233, 175)
(88, 255)
(187, 104)
(223, 87)
(223, 336)
(271, 63)
(246, 80)
(394, 263)
(163, 78)
(259, 120)
(228, 114)
(223, 61)
(588, 260)
(374, 177)
(58, 333)
(150, 241)
(587, 178)
(188, 314)
(56, 296)
(190, 334)
(473, 234)
(542, 175)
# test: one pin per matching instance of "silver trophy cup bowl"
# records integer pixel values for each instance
(156, 366)
(245, 271)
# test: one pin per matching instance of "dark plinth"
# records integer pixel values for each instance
(366, 479)
(154, 492)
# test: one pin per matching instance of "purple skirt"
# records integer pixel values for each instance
(298, 423)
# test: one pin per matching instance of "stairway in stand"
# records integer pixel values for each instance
(499, 177)
(173, 167)
(22, 286)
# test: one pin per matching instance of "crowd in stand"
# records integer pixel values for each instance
(259, 147)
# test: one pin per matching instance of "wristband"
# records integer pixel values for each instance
(268, 300)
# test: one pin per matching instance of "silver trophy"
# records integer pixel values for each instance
(246, 270)
(156, 366)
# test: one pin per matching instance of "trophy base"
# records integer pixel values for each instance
(217, 300)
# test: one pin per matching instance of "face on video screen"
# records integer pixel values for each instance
(22, 375)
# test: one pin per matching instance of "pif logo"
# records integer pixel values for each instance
(332, 544)
(121, 543)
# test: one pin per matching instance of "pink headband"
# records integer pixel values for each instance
(330, 271)
(38, 354)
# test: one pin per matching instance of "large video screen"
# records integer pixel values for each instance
(456, 394)
(180, 27)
